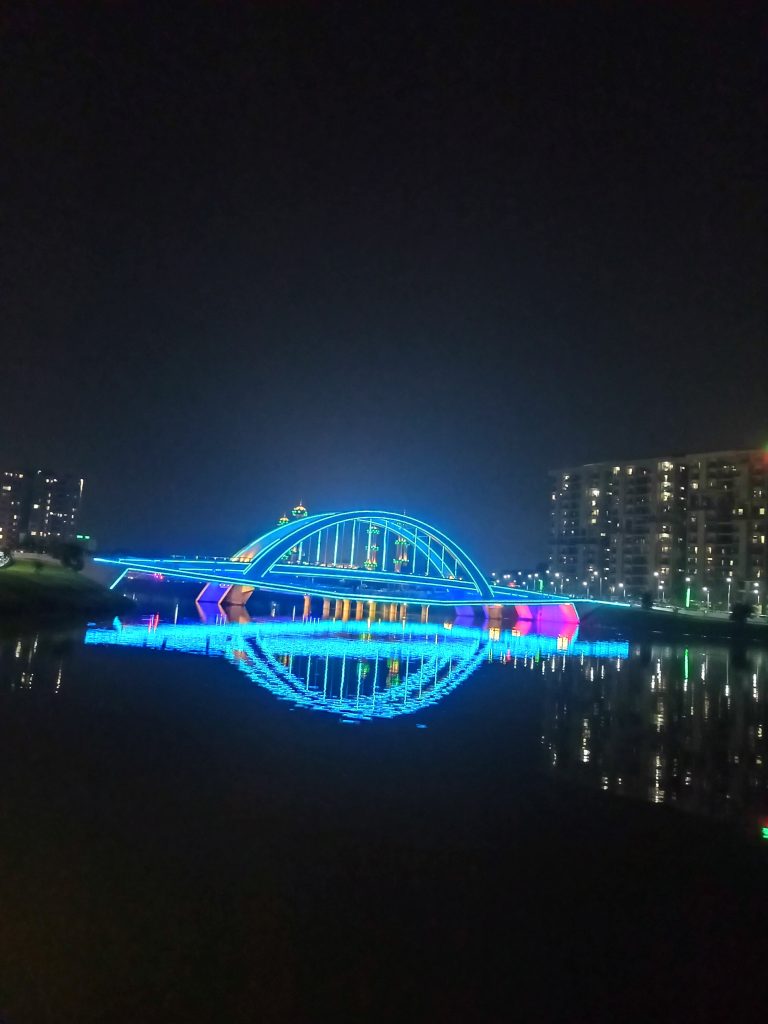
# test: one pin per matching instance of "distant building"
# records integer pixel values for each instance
(38, 504)
(13, 504)
(668, 525)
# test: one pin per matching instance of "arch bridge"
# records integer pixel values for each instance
(351, 556)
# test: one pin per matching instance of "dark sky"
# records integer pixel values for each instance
(375, 255)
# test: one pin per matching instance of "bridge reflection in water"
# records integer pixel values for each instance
(355, 669)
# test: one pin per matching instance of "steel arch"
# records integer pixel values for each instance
(268, 549)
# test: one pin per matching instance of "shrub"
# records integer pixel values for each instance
(71, 556)
(741, 611)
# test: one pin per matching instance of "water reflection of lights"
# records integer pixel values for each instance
(355, 669)
(678, 726)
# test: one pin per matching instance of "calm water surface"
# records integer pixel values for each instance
(284, 819)
(666, 723)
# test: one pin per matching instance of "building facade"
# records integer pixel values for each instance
(13, 505)
(38, 505)
(673, 526)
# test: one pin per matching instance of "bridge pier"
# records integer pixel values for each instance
(371, 610)
(359, 609)
(236, 594)
(337, 608)
(307, 606)
(494, 611)
(345, 609)
(326, 608)
(425, 613)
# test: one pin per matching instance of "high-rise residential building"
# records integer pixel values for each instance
(54, 505)
(38, 504)
(13, 504)
(666, 526)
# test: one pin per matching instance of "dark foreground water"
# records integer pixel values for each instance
(303, 820)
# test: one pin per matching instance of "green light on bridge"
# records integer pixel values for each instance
(765, 832)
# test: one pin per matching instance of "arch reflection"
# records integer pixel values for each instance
(354, 669)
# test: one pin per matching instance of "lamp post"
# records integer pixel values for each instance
(706, 591)
(584, 583)
(687, 591)
(729, 581)
(621, 587)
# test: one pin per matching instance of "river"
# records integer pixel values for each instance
(284, 818)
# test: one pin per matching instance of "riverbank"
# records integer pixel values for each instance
(53, 593)
(673, 624)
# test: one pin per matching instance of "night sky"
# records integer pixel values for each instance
(389, 256)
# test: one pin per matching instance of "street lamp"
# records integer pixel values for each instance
(687, 591)
(706, 591)
(729, 581)
(621, 586)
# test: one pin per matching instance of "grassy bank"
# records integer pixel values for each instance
(53, 592)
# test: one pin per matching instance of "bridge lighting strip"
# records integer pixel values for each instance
(119, 578)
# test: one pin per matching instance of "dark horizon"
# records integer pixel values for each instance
(363, 257)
